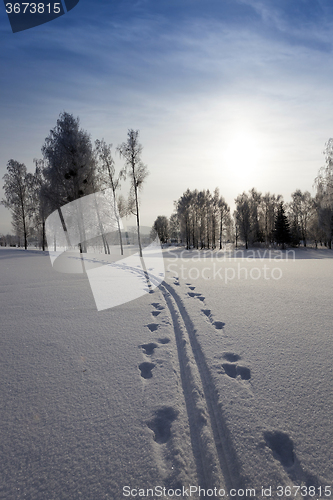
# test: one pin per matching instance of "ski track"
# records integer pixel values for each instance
(216, 461)
(217, 458)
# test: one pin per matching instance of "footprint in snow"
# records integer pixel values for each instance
(149, 348)
(157, 306)
(161, 424)
(231, 356)
(155, 313)
(146, 369)
(281, 446)
(164, 340)
(197, 296)
(219, 325)
(153, 326)
(232, 369)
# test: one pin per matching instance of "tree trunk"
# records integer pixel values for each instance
(118, 224)
(64, 227)
(82, 232)
(137, 218)
(24, 226)
(105, 244)
(43, 235)
(221, 233)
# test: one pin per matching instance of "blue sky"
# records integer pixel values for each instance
(234, 94)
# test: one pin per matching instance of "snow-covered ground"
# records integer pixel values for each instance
(221, 378)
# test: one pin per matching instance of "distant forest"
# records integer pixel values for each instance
(72, 167)
(203, 220)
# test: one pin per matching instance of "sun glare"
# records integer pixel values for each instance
(242, 155)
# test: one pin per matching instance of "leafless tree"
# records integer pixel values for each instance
(224, 218)
(242, 217)
(17, 188)
(324, 197)
(202, 217)
(301, 210)
(106, 167)
(131, 151)
(269, 211)
(174, 227)
(40, 204)
(161, 227)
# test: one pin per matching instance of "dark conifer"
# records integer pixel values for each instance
(282, 228)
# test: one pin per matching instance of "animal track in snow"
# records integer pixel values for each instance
(192, 287)
(146, 369)
(149, 348)
(161, 424)
(281, 446)
(153, 326)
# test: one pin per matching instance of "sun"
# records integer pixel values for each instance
(242, 154)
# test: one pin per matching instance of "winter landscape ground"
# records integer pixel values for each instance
(221, 378)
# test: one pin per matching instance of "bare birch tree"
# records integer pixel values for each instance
(40, 204)
(131, 151)
(324, 197)
(107, 168)
(242, 216)
(301, 210)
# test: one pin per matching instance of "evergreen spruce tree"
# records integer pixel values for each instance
(282, 229)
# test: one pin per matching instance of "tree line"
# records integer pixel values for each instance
(72, 167)
(203, 220)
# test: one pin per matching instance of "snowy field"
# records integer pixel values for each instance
(221, 378)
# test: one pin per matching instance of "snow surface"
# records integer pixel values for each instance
(222, 377)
